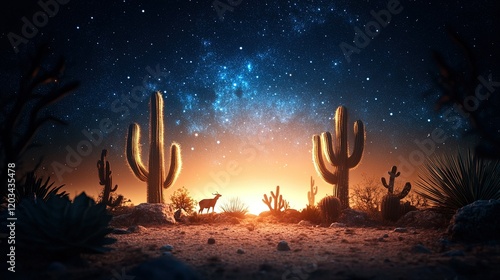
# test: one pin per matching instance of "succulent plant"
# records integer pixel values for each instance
(155, 176)
(34, 188)
(59, 228)
(338, 155)
(330, 208)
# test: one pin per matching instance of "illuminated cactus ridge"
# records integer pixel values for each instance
(155, 176)
(337, 154)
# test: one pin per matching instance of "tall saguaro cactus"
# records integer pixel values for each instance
(155, 176)
(337, 154)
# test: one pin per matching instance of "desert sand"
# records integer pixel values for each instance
(247, 249)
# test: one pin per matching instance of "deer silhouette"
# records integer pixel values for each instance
(208, 202)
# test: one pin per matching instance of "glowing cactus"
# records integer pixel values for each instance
(338, 155)
(155, 176)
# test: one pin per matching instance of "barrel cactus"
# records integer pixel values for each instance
(330, 208)
(391, 204)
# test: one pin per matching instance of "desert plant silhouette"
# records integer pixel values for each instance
(450, 182)
(23, 112)
(106, 180)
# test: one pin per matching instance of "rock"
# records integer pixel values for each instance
(353, 217)
(420, 249)
(181, 215)
(423, 219)
(211, 240)
(240, 251)
(167, 248)
(147, 214)
(305, 223)
(120, 231)
(337, 225)
(283, 246)
(454, 253)
(137, 229)
(400, 229)
(162, 268)
(385, 235)
(476, 222)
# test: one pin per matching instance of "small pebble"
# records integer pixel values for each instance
(211, 240)
(283, 246)
(240, 251)
(419, 248)
(167, 248)
(400, 229)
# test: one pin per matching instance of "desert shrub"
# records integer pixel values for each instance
(35, 188)
(235, 207)
(182, 200)
(367, 195)
(416, 200)
(450, 182)
(311, 214)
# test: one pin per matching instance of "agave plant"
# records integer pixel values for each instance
(450, 182)
(58, 227)
(34, 188)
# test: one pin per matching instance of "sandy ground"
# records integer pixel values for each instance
(315, 252)
(248, 250)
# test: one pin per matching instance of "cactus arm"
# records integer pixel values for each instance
(268, 201)
(405, 191)
(319, 164)
(175, 165)
(327, 142)
(359, 144)
(384, 182)
(134, 153)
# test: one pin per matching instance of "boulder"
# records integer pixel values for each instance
(428, 219)
(147, 214)
(351, 217)
(476, 222)
(165, 267)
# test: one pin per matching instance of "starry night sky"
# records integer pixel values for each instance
(248, 89)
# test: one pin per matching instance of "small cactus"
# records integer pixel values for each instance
(279, 202)
(105, 179)
(392, 175)
(312, 193)
(391, 204)
(330, 208)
